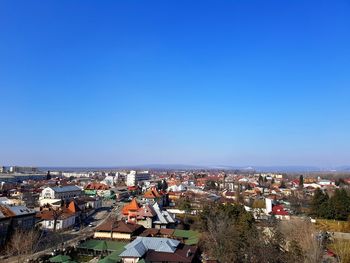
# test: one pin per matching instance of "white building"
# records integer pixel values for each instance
(22, 169)
(325, 182)
(61, 192)
(131, 178)
(5, 201)
(268, 204)
(76, 174)
(177, 188)
(66, 220)
(110, 180)
(134, 177)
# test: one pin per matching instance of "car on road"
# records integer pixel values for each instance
(91, 225)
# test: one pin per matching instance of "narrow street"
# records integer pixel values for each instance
(62, 240)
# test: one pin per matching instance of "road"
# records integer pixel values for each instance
(70, 237)
(341, 235)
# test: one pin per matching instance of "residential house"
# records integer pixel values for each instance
(164, 219)
(65, 216)
(152, 196)
(155, 232)
(144, 216)
(132, 207)
(177, 188)
(99, 189)
(148, 216)
(91, 202)
(155, 249)
(117, 230)
(280, 213)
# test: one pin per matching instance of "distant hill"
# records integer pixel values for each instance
(282, 169)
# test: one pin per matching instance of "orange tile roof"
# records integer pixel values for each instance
(132, 206)
(73, 207)
(152, 193)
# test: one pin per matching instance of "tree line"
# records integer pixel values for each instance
(336, 207)
(230, 234)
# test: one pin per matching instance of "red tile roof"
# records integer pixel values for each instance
(50, 214)
(145, 211)
(279, 210)
(118, 226)
(97, 186)
(157, 232)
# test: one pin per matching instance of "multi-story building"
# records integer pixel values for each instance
(134, 177)
(61, 192)
(22, 169)
(5, 222)
(15, 217)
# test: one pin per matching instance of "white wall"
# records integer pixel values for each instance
(268, 203)
(61, 223)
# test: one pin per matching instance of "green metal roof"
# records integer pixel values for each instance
(107, 260)
(60, 258)
(100, 245)
(114, 257)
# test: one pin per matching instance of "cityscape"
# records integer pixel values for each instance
(119, 215)
(174, 131)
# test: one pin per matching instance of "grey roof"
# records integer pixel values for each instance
(67, 188)
(163, 216)
(140, 245)
(4, 200)
(21, 210)
(138, 249)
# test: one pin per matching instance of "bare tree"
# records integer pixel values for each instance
(220, 239)
(22, 243)
(56, 213)
(304, 233)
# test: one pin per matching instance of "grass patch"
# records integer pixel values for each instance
(341, 248)
(190, 237)
(333, 225)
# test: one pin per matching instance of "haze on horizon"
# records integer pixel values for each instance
(115, 83)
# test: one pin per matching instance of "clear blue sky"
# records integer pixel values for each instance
(86, 83)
